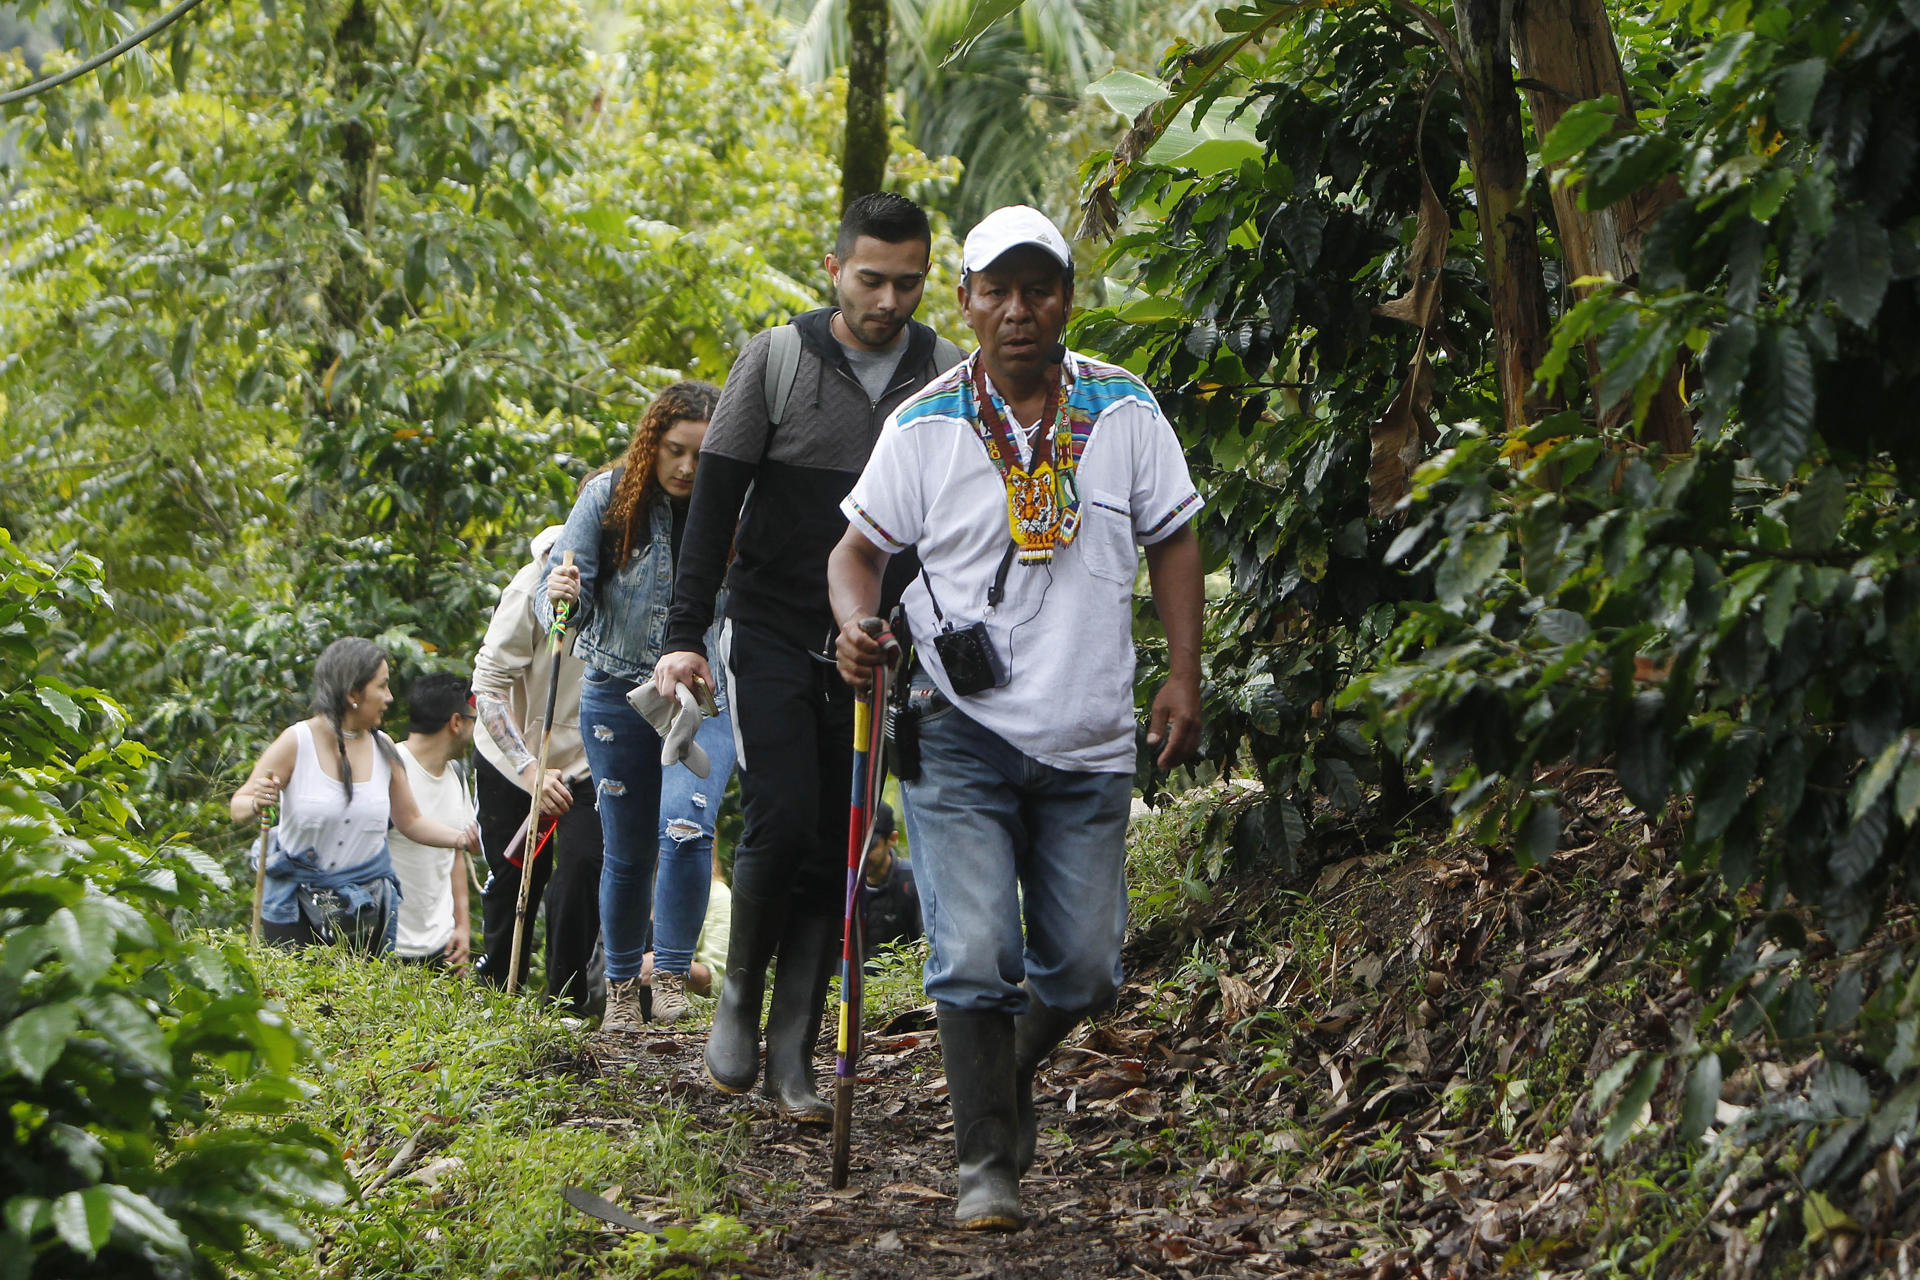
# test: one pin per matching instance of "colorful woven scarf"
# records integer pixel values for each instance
(1043, 503)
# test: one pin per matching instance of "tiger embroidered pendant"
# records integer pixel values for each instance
(1033, 515)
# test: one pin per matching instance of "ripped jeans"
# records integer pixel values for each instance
(623, 752)
(689, 807)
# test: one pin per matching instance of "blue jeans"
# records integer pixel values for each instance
(624, 753)
(988, 824)
(689, 807)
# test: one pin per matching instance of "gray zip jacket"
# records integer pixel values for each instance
(796, 473)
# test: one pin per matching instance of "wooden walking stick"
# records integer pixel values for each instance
(554, 633)
(269, 813)
(869, 777)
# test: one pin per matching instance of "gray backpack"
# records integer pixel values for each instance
(783, 364)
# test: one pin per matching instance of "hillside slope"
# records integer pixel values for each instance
(1390, 1071)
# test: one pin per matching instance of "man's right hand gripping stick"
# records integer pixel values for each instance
(882, 636)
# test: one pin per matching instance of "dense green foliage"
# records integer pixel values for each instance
(1733, 630)
(1007, 99)
(323, 328)
(1737, 628)
(1255, 284)
(1763, 584)
(119, 1035)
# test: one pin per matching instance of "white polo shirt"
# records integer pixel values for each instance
(1065, 629)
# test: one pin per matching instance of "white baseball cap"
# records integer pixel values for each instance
(1009, 227)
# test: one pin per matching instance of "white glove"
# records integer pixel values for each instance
(676, 720)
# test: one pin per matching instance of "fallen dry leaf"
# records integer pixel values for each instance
(1238, 1000)
(911, 1190)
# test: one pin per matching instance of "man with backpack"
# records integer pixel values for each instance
(800, 412)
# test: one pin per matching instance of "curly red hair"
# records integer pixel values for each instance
(626, 513)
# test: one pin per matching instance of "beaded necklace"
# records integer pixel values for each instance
(1043, 502)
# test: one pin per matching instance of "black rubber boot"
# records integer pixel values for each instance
(1035, 1035)
(978, 1050)
(733, 1043)
(809, 955)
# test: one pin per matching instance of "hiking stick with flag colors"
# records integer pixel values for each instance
(560, 614)
(869, 777)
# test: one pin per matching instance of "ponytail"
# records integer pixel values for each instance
(340, 745)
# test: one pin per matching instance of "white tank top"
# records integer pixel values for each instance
(317, 825)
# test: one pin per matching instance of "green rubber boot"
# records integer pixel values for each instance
(809, 954)
(1036, 1033)
(733, 1042)
(978, 1050)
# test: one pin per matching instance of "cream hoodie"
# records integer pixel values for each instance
(513, 664)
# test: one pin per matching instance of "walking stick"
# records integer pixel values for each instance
(268, 814)
(559, 627)
(869, 776)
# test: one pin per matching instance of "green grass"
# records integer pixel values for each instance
(893, 982)
(498, 1086)
(1166, 873)
(500, 1098)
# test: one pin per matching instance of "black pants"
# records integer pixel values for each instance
(569, 866)
(794, 717)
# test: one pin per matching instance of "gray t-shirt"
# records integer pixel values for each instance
(875, 368)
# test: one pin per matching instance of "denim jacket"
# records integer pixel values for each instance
(621, 620)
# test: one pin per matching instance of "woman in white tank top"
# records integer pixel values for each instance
(328, 873)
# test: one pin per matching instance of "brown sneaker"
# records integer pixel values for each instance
(624, 1015)
(669, 996)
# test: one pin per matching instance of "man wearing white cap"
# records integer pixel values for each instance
(1027, 477)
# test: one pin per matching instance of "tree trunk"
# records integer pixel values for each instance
(350, 290)
(1497, 144)
(863, 162)
(1566, 53)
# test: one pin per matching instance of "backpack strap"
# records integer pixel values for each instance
(783, 364)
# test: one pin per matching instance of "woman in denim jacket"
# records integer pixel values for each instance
(624, 533)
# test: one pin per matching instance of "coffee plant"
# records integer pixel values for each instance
(122, 1033)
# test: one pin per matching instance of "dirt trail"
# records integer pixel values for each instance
(1386, 1074)
(1099, 1201)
